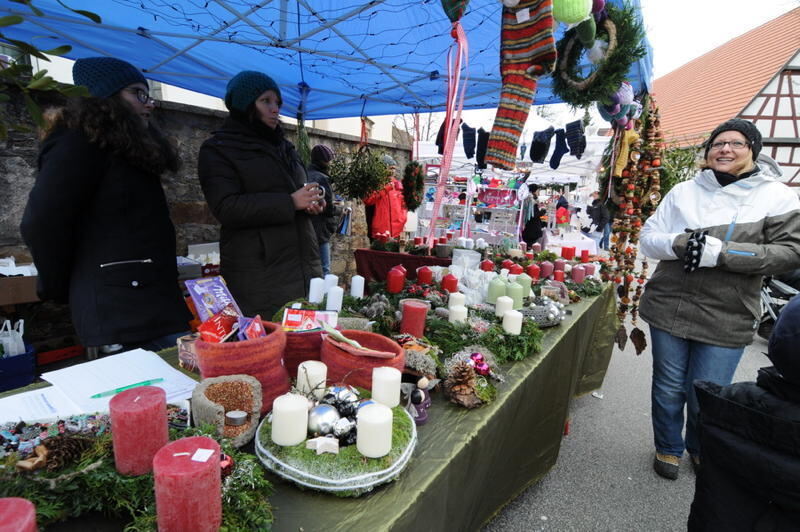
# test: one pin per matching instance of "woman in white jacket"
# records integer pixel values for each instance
(715, 236)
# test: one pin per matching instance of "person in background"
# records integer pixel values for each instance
(601, 219)
(97, 222)
(562, 211)
(256, 186)
(325, 222)
(715, 236)
(533, 229)
(390, 213)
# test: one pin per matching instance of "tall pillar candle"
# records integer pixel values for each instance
(414, 312)
(330, 280)
(533, 271)
(568, 252)
(515, 293)
(450, 283)
(578, 274)
(559, 264)
(357, 286)
(558, 275)
(456, 299)
(497, 288)
(503, 304)
(312, 377)
(584, 256)
(589, 268)
(424, 275)
(17, 515)
(395, 281)
(289, 419)
(386, 386)
(512, 322)
(335, 297)
(546, 269)
(138, 428)
(458, 314)
(525, 281)
(316, 290)
(188, 485)
(374, 430)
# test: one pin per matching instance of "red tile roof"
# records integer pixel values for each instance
(705, 92)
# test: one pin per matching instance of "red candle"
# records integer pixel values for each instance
(559, 264)
(529, 255)
(17, 515)
(568, 252)
(533, 271)
(536, 247)
(417, 240)
(401, 268)
(516, 269)
(443, 240)
(584, 255)
(558, 275)
(589, 269)
(547, 269)
(414, 314)
(424, 275)
(188, 485)
(138, 428)
(450, 235)
(578, 274)
(507, 264)
(487, 265)
(450, 283)
(395, 280)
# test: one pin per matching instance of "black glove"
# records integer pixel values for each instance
(694, 251)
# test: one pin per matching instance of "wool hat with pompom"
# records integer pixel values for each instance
(245, 87)
(745, 127)
(322, 154)
(105, 76)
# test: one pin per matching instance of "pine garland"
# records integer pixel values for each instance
(413, 185)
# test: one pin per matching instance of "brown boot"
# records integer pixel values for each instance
(667, 465)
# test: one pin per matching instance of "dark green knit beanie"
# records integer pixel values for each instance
(245, 87)
(105, 76)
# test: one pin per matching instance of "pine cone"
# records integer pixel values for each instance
(65, 450)
(460, 386)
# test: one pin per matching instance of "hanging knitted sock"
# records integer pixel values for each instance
(480, 151)
(576, 139)
(560, 149)
(541, 144)
(527, 51)
(468, 137)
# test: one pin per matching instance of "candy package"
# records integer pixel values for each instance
(221, 326)
(250, 328)
(210, 295)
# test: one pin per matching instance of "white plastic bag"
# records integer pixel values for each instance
(11, 338)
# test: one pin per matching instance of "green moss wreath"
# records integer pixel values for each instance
(625, 36)
(413, 185)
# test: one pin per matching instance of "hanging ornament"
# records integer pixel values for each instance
(571, 11)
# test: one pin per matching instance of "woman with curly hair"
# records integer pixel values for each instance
(97, 221)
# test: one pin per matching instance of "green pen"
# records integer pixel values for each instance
(128, 387)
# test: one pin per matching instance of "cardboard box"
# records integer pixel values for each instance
(17, 290)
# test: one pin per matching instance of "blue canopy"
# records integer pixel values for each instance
(357, 57)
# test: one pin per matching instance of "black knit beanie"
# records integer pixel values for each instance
(105, 76)
(783, 342)
(245, 87)
(745, 127)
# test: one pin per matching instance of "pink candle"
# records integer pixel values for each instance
(547, 269)
(578, 274)
(395, 280)
(487, 265)
(424, 275)
(558, 275)
(414, 314)
(533, 271)
(536, 247)
(17, 515)
(559, 264)
(188, 485)
(516, 269)
(523, 246)
(584, 255)
(138, 428)
(450, 283)
(589, 269)
(568, 252)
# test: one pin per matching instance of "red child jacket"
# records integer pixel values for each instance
(390, 209)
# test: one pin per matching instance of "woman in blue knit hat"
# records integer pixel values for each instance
(97, 222)
(257, 188)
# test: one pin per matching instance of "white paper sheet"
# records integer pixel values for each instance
(81, 381)
(44, 404)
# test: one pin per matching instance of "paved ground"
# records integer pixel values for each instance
(604, 480)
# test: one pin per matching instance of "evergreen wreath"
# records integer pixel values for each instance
(359, 176)
(625, 36)
(413, 185)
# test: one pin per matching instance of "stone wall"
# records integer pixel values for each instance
(194, 223)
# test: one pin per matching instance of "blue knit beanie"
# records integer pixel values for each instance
(105, 76)
(245, 87)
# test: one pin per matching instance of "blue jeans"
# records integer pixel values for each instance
(606, 233)
(325, 257)
(677, 363)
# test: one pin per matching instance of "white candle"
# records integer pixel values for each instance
(469, 244)
(456, 299)
(316, 290)
(335, 295)
(330, 281)
(458, 314)
(386, 386)
(374, 430)
(289, 419)
(357, 286)
(461, 242)
(512, 322)
(502, 305)
(312, 375)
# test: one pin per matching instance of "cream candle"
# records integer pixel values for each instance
(330, 280)
(456, 299)
(503, 304)
(316, 290)
(497, 288)
(515, 293)
(386, 386)
(289, 419)
(335, 296)
(311, 376)
(512, 322)
(458, 314)
(357, 286)
(139, 428)
(374, 430)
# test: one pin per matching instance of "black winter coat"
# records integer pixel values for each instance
(268, 249)
(599, 214)
(101, 238)
(750, 475)
(324, 223)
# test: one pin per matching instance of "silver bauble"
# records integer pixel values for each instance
(321, 419)
(343, 426)
(346, 394)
